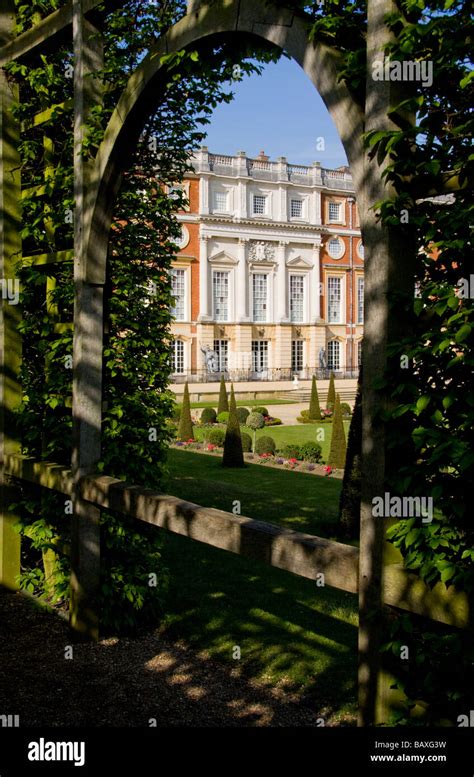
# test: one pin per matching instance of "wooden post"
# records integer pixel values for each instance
(389, 267)
(88, 339)
(10, 339)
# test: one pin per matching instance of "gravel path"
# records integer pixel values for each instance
(124, 682)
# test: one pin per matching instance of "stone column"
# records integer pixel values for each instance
(242, 294)
(204, 194)
(204, 308)
(281, 303)
(314, 288)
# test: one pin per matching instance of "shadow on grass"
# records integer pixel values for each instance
(290, 632)
(124, 681)
(298, 501)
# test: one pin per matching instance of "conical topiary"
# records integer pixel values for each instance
(331, 393)
(314, 409)
(185, 428)
(233, 454)
(349, 503)
(223, 406)
(337, 451)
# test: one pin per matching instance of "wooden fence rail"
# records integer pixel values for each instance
(301, 554)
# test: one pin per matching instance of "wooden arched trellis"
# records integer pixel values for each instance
(388, 266)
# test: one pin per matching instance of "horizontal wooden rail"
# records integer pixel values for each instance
(301, 554)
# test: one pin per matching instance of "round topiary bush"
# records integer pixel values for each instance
(242, 415)
(246, 442)
(208, 416)
(255, 421)
(262, 410)
(346, 409)
(265, 445)
(291, 452)
(216, 437)
(311, 451)
(223, 417)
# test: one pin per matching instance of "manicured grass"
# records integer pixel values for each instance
(299, 434)
(291, 633)
(296, 500)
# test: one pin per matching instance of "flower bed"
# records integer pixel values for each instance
(267, 459)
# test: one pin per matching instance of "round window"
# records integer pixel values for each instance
(183, 240)
(335, 248)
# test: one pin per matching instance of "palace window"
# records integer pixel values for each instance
(334, 300)
(334, 355)
(296, 209)
(221, 348)
(178, 290)
(259, 355)
(296, 298)
(259, 296)
(296, 355)
(335, 211)
(259, 204)
(177, 357)
(335, 248)
(220, 202)
(360, 300)
(359, 353)
(220, 295)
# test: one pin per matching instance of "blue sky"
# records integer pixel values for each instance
(279, 112)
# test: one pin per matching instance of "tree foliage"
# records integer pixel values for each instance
(137, 337)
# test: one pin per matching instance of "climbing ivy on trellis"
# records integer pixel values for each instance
(137, 335)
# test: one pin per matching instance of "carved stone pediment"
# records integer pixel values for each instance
(222, 258)
(298, 261)
(260, 251)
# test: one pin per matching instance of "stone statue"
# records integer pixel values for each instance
(211, 359)
(322, 359)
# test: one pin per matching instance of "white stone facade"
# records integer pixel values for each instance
(261, 228)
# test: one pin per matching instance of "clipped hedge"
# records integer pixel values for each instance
(262, 410)
(246, 442)
(346, 409)
(271, 421)
(216, 437)
(223, 417)
(265, 445)
(292, 451)
(304, 418)
(242, 414)
(311, 451)
(208, 416)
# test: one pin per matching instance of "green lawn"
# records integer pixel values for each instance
(296, 500)
(292, 434)
(291, 633)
